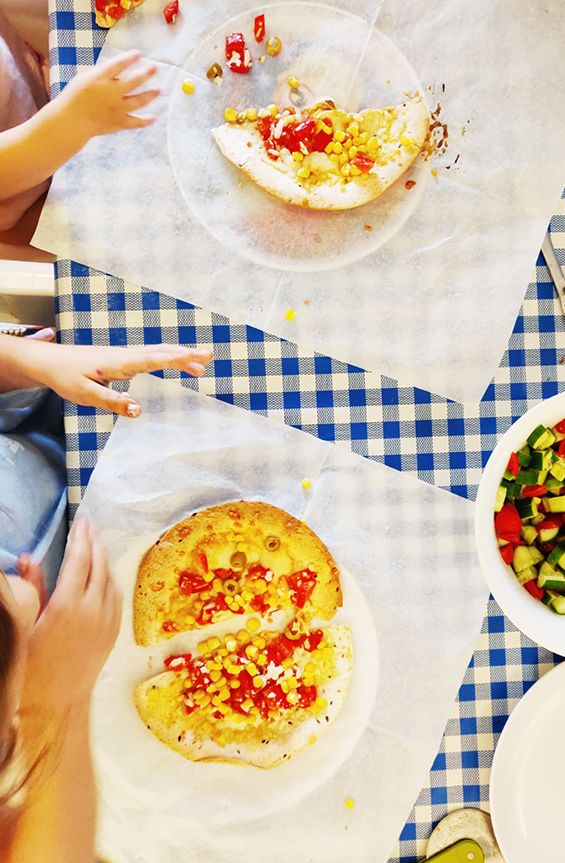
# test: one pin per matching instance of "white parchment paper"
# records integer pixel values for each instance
(413, 597)
(429, 295)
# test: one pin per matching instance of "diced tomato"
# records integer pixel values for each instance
(270, 697)
(363, 162)
(547, 547)
(170, 626)
(178, 662)
(217, 714)
(507, 523)
(171, 11)
(211, 608)
(238, 57)
(191, 582)
(561, 449)
(281, 648)
(259, 604)
(560, 426)
(100, 5)
(302, 584)
(533, 491)
(513, 465)
(224, 574)
(548, 524)
(507, 553)
(307, 695)
(116, 12)
(313, 640)
(190, 708)
(307, 133)
(532, 587)
(203, 560)
(259, 28)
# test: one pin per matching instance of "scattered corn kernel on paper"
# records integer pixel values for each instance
(422, 284)
(413, 598)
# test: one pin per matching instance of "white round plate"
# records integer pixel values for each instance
(527, 786)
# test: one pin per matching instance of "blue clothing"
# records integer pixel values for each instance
(33, 499)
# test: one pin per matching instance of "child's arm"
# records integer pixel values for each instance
(80, 373)
(93, 103)
(66, 651)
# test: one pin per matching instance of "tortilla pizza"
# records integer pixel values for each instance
(107, 12)
(255, 697)
(321, 157)
(228, 560)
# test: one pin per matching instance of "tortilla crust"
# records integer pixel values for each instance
(243, 146)
(268, 743)
(177, 550)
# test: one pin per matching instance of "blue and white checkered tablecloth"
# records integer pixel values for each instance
(406, 428)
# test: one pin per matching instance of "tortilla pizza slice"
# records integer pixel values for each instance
(321, 157)
(107, 12)
(255, 697)
(233, 559)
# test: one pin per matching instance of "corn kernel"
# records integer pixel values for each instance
(373, 143)
(235, 684)
(334, 158)
(273, 110)
(246, 595)
(293, 82)
(189, 620)
(261, 660)
(258, 681)
(217, 584)
(208, 577)
(222, 652)
(231, 642)
(205, 701)
(288, 662)
(224, 694)
(251, 651)
(343, 159)
(347, 144)
(251, 114)
(321, 703)
(213, 643)
(203, 647)
(126, 4)
(355, 171)
(353, 129)
(263, 113)
(363, 137)
(247, 704)
(298, 157)
(251, 669)
(254, 711)
(199, 695)
(273, 45)
(349, 803)
(306, 483)
(253, 624)
(325, 128)
(188, 86)
(260, 643)
(357, 140)
(339, 136)
(329, 148)
(215, 676)
(261, 585)
(353, 152)
(230, 116)
(337, 147)
(292, 682)
(303, 173)
(242, 635)
(292, 697)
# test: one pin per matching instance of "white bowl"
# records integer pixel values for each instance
(539, 623)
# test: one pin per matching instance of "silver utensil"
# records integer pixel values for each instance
(555, 271)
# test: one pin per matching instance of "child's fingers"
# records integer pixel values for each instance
(133, 122)
(115, 67)
(76, 565)
(128, 85)
(29, 570)
(154, 358)
(99, 573)
(98, 396)
(140, 100)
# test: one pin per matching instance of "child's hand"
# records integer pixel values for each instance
(101, 100)
(81, 374)
(73, 637)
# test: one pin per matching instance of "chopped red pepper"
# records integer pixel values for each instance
(259, 28)
(302, 584)
(238, 57)
(257, 571)
(170, 626)
(507, 523)
(560, 426)
(171, 11)
(363, 162)
(307, 695)
(209, 609)
(100, 5)
(225, 574)
(513, 465)
(296, 136)
(313, 640)
(532, 587)
(191, 582)
(561, 449)
(507, 553)
(533, 491)
(259, 603)
(116, 12)
(178, 662)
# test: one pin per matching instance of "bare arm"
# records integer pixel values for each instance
(96, 102)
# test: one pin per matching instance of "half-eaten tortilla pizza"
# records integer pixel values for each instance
(233, 559)
(256, 697)
(321, 157)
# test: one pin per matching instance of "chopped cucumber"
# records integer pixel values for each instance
(559, 436)
(541, 438)
(528, 507)
(557, 555)
(556, 602)
(546, 534)
(500, 498)
(524, 456)
(553, 484)
(528, 533)
(558, 470)
(531, 477)
(555, 504)
(526, 575)
(525, 556)
(542, 459)
(551, 579)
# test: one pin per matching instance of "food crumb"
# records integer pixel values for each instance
(307, 302)
(368, 227)
(409, 184)
(434, 172)
(349, 803)
(290, 314)
(262, 59)
(188, 86)
(561, 360)
(306, 483)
